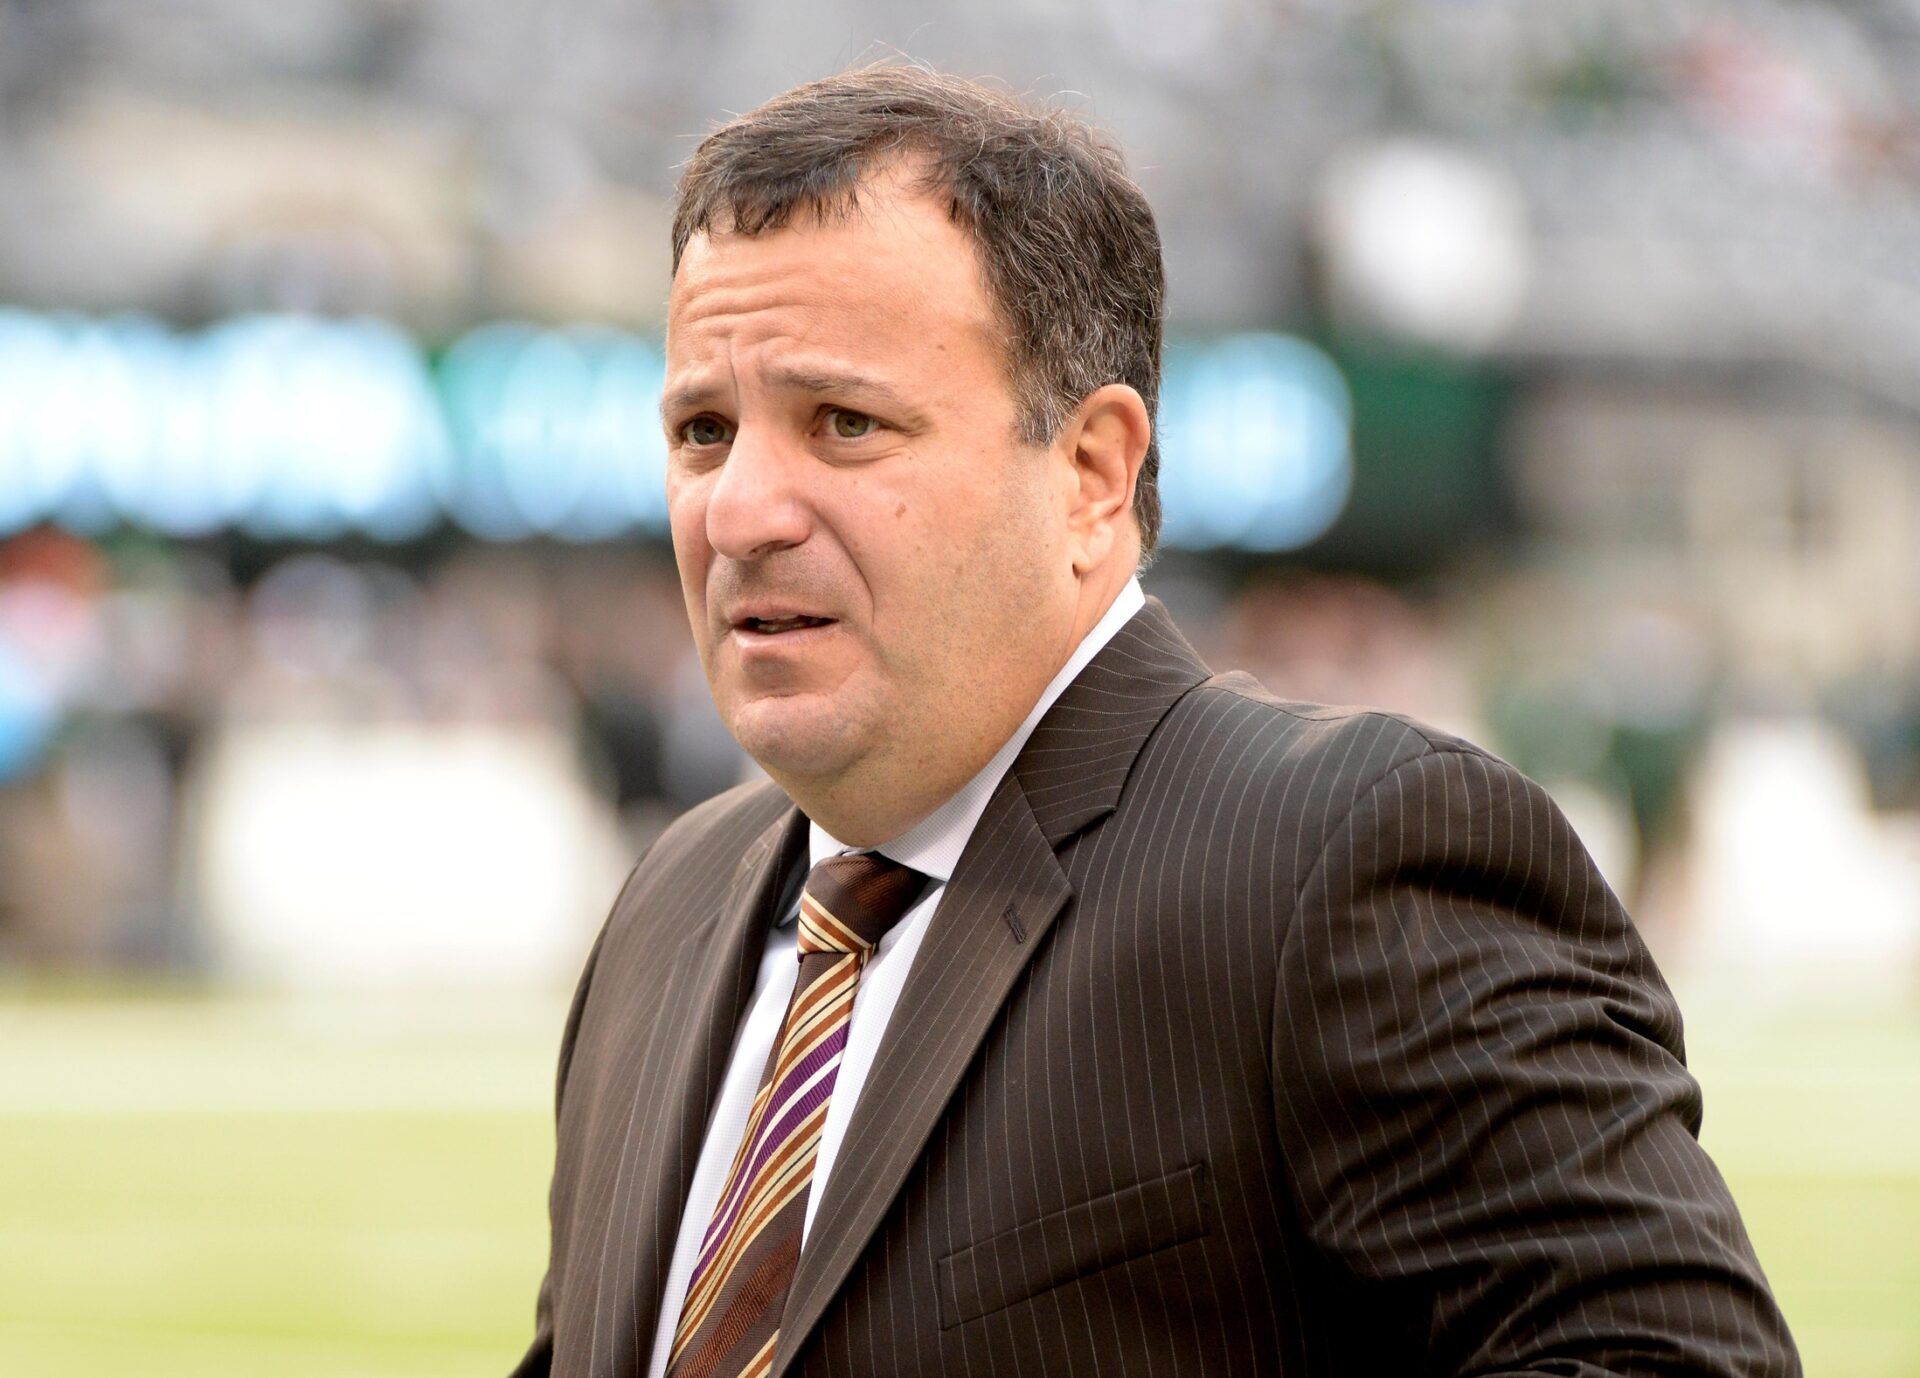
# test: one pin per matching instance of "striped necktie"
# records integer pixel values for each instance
(731, 1320)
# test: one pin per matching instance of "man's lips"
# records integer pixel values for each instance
(770, 622)
(774, 626)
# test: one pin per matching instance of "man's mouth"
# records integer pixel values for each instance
(773, 626)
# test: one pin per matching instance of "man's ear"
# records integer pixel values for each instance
(1105, 443)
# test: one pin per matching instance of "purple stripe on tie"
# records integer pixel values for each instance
(743, 1179)
(806, 1067)
(773, 1137)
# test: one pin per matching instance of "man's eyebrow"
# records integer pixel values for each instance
(795, 378)
(815, 380)
(686, 398)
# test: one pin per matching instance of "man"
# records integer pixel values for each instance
(1141, 1022)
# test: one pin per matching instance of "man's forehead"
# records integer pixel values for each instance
(902, 249)
(849, 294)
(893, 226)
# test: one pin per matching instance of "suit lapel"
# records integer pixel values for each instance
(1005, 894)
(714, 975)
(1075, 764)
(967, 963)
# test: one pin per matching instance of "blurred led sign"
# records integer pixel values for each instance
(292, 427)
(281, 426)
(1256, 438)
(556, 432)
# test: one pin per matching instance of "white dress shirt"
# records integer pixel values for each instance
(932, 846)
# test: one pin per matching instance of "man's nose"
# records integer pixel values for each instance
(758, 503)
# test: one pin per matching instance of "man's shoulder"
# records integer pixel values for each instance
(1353, 744)
(1261, 784)
(1287, 768)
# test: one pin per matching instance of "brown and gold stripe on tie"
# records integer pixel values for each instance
(731, 1319)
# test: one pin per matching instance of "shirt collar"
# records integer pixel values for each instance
(933, 845)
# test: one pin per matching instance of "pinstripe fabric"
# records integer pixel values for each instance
(1251, 1037)
(738, 1289)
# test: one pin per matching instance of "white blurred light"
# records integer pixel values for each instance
(1798, 883)
(343, 855)
(1425, 241)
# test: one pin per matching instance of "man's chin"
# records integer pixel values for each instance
(796, 736)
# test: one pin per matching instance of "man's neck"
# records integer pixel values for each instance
(930, 840)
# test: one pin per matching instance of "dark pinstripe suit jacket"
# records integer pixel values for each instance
(1250, 1037)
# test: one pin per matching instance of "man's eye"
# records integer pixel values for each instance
(704, 430)
(851, 425)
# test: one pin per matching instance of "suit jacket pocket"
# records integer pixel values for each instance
(1028, 1259)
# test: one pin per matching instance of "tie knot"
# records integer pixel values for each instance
(850, 902)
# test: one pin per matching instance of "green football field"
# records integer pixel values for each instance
(355, 1188)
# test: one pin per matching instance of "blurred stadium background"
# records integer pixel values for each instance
(1549, 372)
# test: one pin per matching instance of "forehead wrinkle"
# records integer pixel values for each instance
(727, 317)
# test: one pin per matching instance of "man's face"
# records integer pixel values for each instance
(874, 565)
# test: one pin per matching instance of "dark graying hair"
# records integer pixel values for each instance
(1068, 243)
